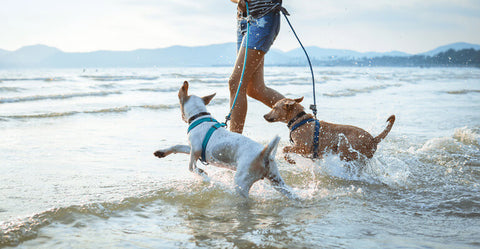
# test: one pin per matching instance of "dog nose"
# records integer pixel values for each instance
(266, 117)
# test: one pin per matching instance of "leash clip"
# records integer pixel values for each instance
(283, 10)
(227, 118)
(249, 19)
(314, 110)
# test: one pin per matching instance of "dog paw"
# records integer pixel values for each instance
(200, 172)
(159, 154)
(289, 160)
(287, 149)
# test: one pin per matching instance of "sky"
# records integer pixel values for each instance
(411, 26)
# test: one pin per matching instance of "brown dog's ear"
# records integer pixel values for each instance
(183, 91)
(208, 98)
(289, 104)
(299, 99)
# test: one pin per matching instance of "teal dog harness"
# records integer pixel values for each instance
(209, 134)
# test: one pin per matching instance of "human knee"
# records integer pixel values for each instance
(254, 95)
(254, 92)
(233, 85)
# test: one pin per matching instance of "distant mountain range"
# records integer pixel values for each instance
(41, 56)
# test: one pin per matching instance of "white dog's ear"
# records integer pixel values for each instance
(208, 98)
(183, 92)
(299, 99)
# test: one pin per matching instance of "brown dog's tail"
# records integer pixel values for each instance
(385, 132)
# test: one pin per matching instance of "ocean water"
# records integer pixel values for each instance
(78, 171)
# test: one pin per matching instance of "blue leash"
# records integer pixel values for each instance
(228, 117)
(217, 125)
(313, 107)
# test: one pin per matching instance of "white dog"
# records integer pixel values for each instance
(226, 149)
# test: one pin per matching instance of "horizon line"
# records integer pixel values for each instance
(225, 43)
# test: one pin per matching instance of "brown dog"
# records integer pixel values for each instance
(345, 140)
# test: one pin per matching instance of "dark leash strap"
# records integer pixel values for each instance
(315, 138)
(285, 14)
(312, 107)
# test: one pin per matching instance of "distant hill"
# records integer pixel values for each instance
(328, 54)
(41, 56)
(29, 56)
(455, 46)
(180, 56)
(450, 58)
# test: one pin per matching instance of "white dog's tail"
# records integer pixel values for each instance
(272, 174)
(268, 153)
(270, 150)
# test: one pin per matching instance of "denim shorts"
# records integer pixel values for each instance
(263, 31)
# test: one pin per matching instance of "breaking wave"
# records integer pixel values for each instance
(158, 89)
(463, 91)
(118, 77)
(460, 149)
(10, 89)
(46, 79)
(352, 91)
(96, 111)
(56, 96)
(121, 109)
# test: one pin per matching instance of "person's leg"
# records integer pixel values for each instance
(254, 60)
(263, 32)
(257, 89)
